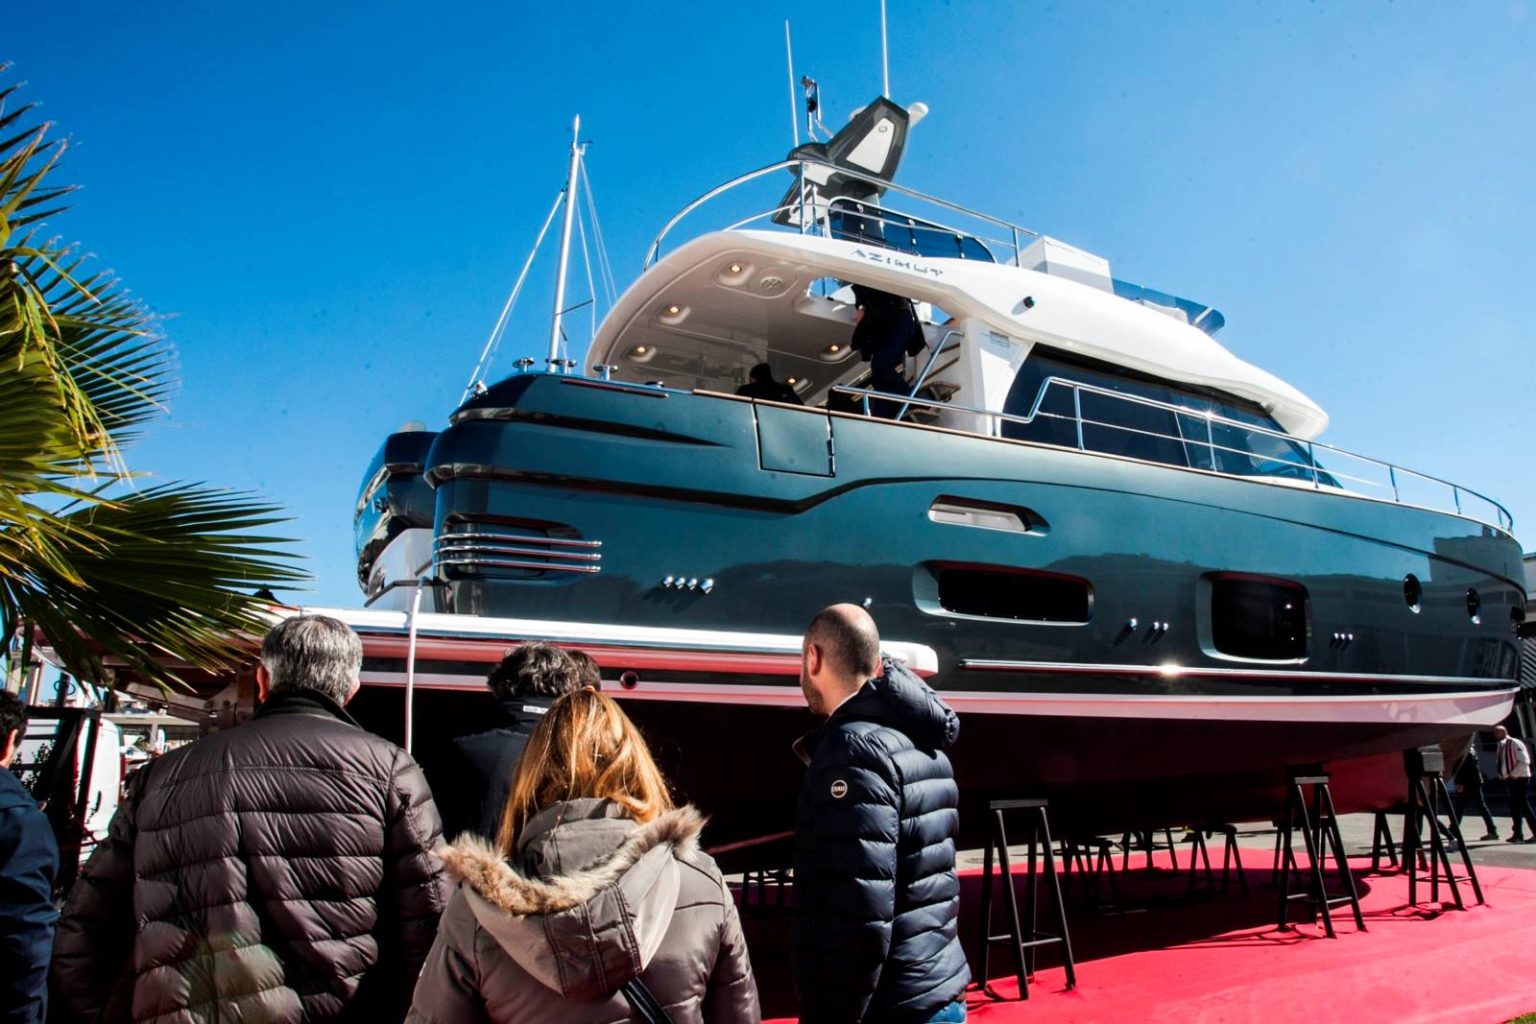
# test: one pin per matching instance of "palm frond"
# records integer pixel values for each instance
(142, 580)
(164, 575)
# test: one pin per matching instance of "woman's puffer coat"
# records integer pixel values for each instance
(594, 901)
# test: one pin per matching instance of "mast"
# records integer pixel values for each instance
(565, 242)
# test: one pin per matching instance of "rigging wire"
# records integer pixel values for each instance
(586, 261)
(604, 264)
(491, 343)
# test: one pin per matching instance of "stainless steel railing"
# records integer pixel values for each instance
(1365, 476)
(1012, 242)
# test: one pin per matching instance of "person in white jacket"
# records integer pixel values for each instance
(1514, 762)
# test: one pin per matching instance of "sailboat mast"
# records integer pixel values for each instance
(565, 242)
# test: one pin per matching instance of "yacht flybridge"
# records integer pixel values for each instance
(1119, 551)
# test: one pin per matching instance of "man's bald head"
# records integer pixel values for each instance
(849, 641)
(840, 653)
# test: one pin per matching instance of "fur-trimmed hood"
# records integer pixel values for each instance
(589, 897)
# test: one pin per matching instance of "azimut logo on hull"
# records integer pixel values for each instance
(891, 260)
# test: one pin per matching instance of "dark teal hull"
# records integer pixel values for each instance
(788, 510)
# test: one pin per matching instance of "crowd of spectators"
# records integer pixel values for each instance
(293, 868)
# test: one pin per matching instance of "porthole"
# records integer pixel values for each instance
(1474, 607)
(1413, 593)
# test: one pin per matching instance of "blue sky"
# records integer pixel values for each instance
(330, 202)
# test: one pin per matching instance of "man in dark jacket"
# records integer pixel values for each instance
(280, 871)
(1469, 789)
(760, 384)
(474, 780)
(876, 895)
(29, 863)
(885, 333)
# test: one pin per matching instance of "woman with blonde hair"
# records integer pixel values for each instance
(595, 904)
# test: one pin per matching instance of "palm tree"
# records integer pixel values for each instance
(108, 573)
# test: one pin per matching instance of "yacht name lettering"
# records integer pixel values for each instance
(893, 261)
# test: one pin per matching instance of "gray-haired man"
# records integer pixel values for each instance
(279, 871)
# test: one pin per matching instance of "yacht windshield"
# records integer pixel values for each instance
(1118, 417)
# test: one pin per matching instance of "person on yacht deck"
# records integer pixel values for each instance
(760, 384)
(885, 332)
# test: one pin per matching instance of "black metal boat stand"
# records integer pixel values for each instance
(1382, 841)
(1427, 797)
(1022, 942)
(1146, 841)
(1319, 829)
(1092, 860)
(1199, 853)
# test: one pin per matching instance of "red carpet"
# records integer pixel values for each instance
(1221, 959)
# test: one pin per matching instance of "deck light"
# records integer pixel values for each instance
(673, 314)
(833, 353)
(734, 274)
(641, 353)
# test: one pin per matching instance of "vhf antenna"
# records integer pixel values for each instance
(794, 113)
(885, 59)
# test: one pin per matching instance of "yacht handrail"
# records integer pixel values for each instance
(799, 164)
(1503, 520)
(933, 357)
(889, 218)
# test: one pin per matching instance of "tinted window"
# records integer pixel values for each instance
(1257, 618)
(1121, 427)
(1013, 594)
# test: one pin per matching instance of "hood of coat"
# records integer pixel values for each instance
(899, 699)
(590, 898)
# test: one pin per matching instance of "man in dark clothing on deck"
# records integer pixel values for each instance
(760, 384)
(876, 894)
(475, 779)
(29, 863)
(280, 871)
(885, 333)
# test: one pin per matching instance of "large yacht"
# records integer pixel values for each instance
(1120, 552)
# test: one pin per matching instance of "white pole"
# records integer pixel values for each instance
(410, 670)
(885, 58)
(794, 105)
(565, 241)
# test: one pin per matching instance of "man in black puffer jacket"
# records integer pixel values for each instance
(876, 895)
(278, 872)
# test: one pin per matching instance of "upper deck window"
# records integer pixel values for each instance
(867, 221)
(1126, 427)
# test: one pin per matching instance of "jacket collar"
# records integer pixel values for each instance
(523, 710)
(481, 866)
(304, 702)
(894, 698)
